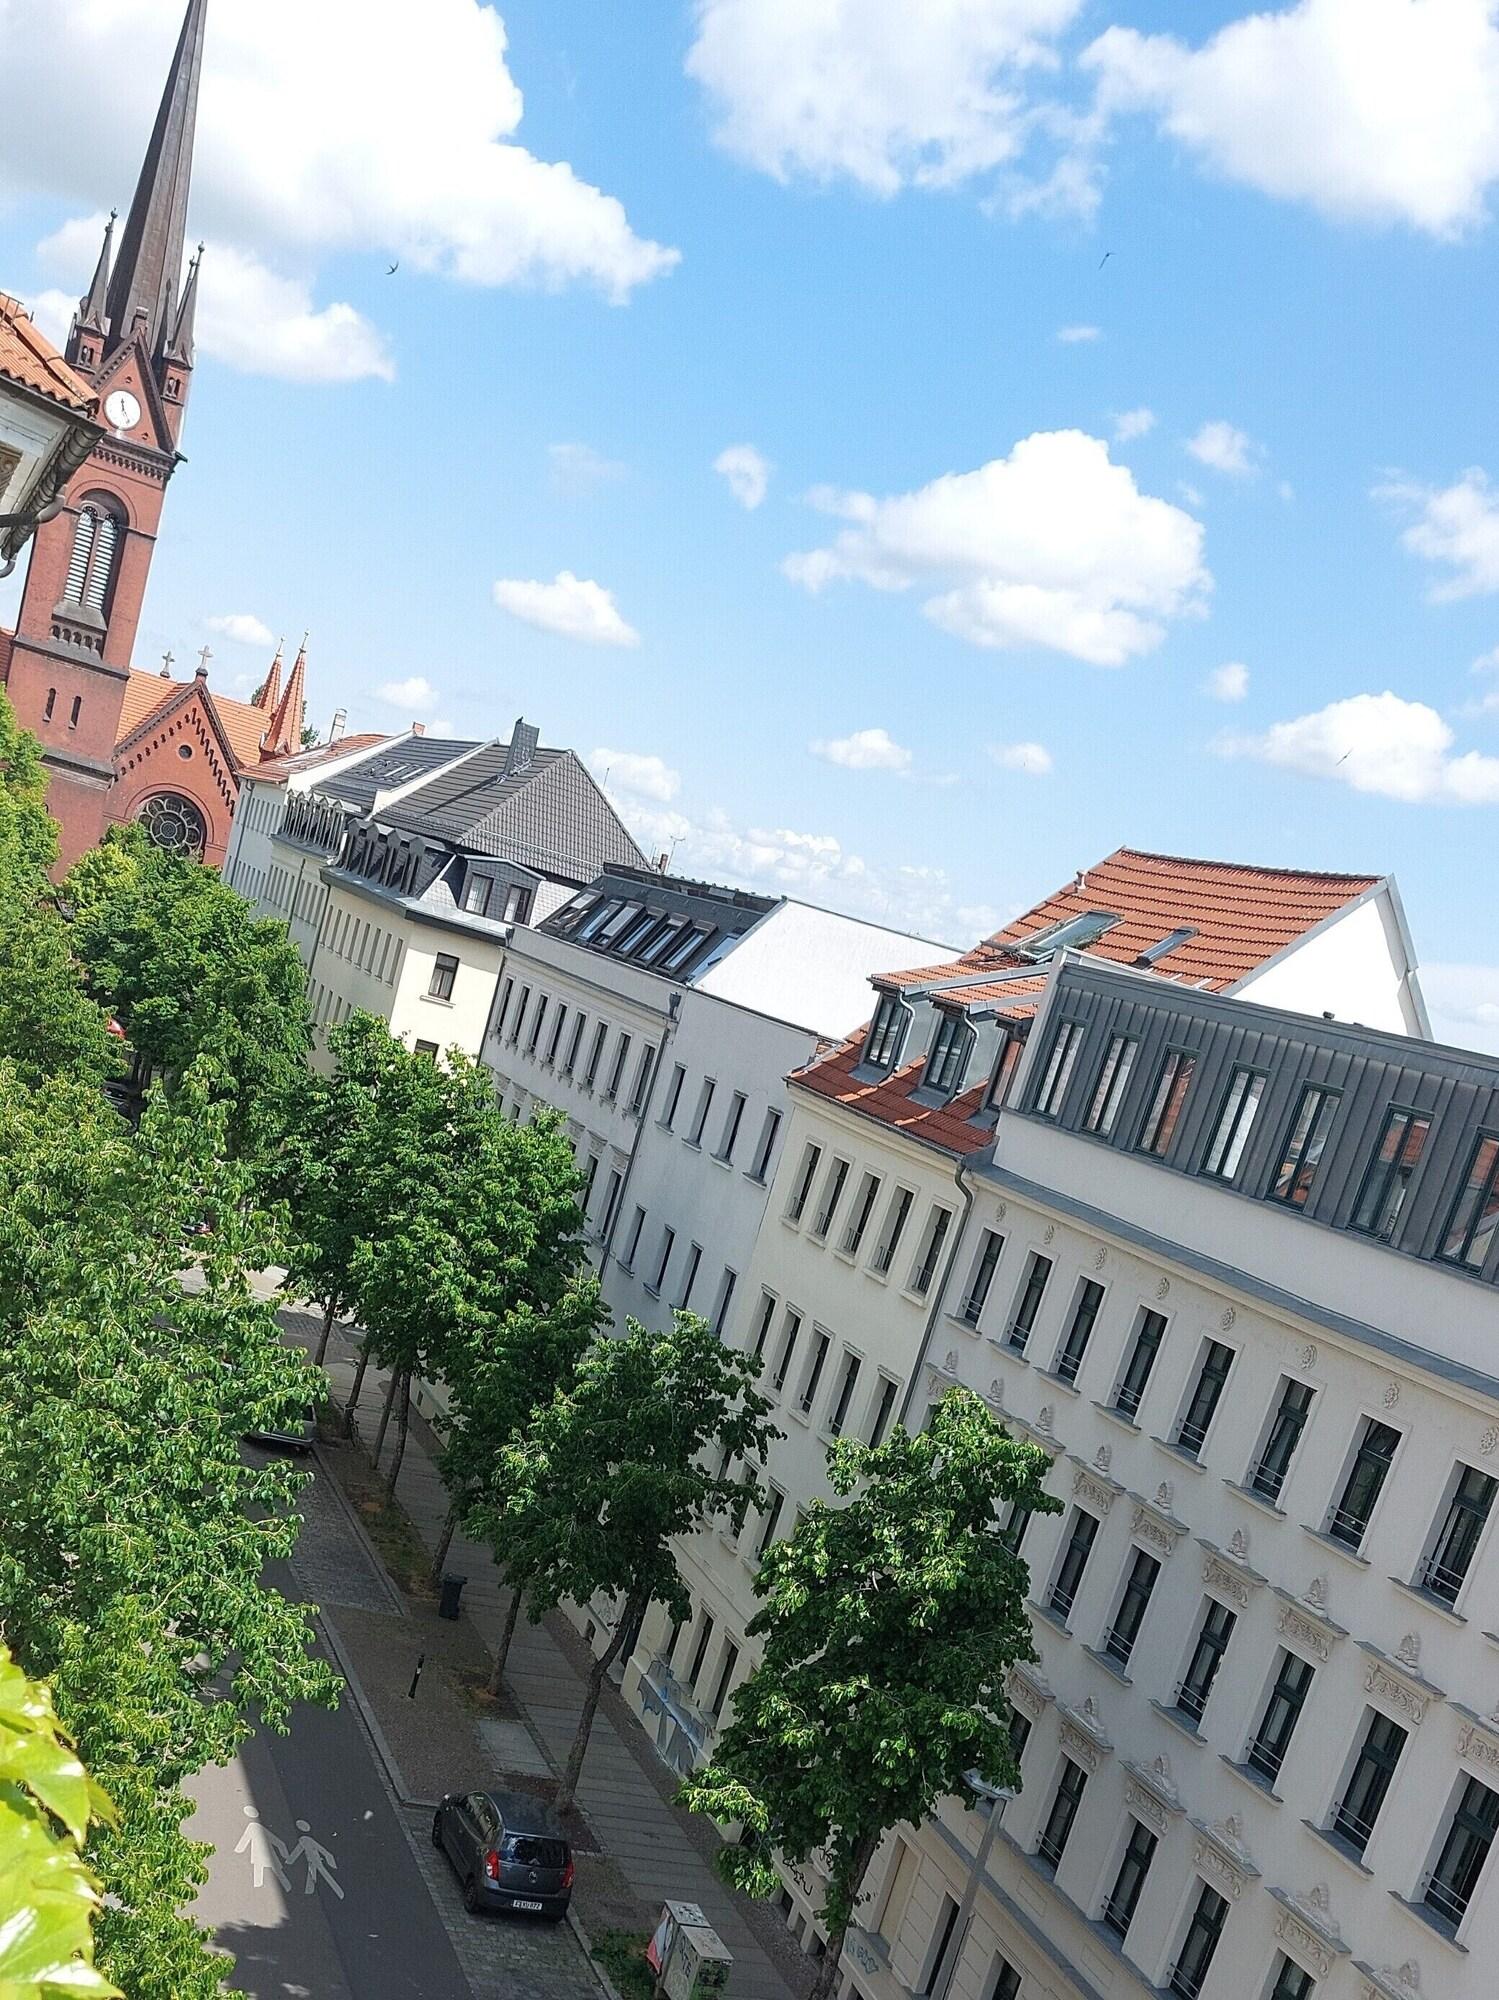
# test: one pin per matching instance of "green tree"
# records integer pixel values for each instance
(192, 972)
(593, 1494)
(888, 1627)
(47, 1895)
(28, 833)
(132, 1564)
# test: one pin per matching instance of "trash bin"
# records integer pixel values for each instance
(452, 1590)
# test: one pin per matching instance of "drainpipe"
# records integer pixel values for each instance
(967, 1191)
(673, 1010)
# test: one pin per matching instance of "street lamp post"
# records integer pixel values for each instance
(996, 1796)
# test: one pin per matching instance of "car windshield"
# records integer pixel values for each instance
(531, 1852)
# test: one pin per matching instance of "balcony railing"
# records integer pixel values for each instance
(1441, 1581)
(1347, 1528)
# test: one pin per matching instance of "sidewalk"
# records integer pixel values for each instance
(652, 1845)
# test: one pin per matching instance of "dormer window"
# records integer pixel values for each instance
(948, 1055)
(476, 895)
(998, 1087)
(887, 1032)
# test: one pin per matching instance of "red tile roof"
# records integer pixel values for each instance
(243, 725)
(28, 357)
(1243, 916)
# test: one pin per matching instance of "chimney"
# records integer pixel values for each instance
(338, 725)
(1079, 881)
(418, 728)
(523, 742)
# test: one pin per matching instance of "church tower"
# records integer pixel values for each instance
(132, 341)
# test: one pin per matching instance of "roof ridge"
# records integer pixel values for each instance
(1239, 867)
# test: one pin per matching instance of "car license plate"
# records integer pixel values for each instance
(525, 1903)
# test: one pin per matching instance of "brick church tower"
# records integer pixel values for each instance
(132, 341)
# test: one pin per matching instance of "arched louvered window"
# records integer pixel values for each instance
(96, 545)
(102, 562)
(83, 548)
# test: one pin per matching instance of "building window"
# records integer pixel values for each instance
(700, 1116)
(1122, 1900)
(789, 1332)
(537, 1021)
(1037, 1272)
(1058, 1071)
(596, 1054)
(931, 1250)
(1199, 1945)
(1012, 1534)
(1402, 1141)
(1020, 1731)
(616, 1073)
(1469, 1234)
(948, 1056)
(845, 1395)
(636, 1225)
(1213, 1635)
(972, 1308)
(520, 1015)
(700, 1650)
(1080, 1329)
(800, 1194)
(1113, 1081)
(1004, 1980)
(580, 1022)
(175, 824)
(997, 1089)
(731, 1126)
(668, 1239)
(440, 987)
(884, 1405)
(77, 709)
(760, 1166)
(887, 1031)
(772, 1520)
(1286, 1426)
(1445, 1569)
(832, 1194)
(51, 703)
(558, 1025)
(725, 1675)
(1475, 1820)
(853, 1236)
(517, 906)
(1369, 1781)
(611, 1202)
(1133, 1383)
(590, 1175)
(820, 1347)
(476, 895)
(1293, 1682)
(1164, 1115)
(643, 1077)
(762, 1332)
(1133, 1604)
(689, 1276)
(896, 1217)
(1292, 1982)
(1052, 1844)
(426, 1049)
(673, 1097)
(1202, 1405)
(1366, 1478)
(1074, 1561)
(725, 1299)
(91, 565)
(1236, 1116)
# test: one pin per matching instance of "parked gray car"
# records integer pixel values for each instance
(508, 1851)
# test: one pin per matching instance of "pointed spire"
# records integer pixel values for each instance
(146, 271)
(180, 346)
(268, 693)
(92, 306)
(285, 733)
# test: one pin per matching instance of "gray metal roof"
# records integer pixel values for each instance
(396, 764)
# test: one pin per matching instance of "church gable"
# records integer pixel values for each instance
(177, 775)
(128, 372)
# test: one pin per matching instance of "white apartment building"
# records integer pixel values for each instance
(401, 871)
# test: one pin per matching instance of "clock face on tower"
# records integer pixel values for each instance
(121, 409)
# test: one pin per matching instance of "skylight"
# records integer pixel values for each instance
(1071, 935)
(1154, 952)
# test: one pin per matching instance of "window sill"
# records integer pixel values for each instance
(1118, 1417)
(1180, 1722)
(879, 1277)
(849, 1257)
(1256, 1780)
(1062, 1382)
(1007, 1353)
(756, 1180)
(1338, 1548)
(1431, 1601)
(790, 1222)
(1440, 1926)
(968, 1326)
(436, 1000)
(1256, 1499)
(719, 1161)
(1335, 1844)
(1050, 1617)
(651, 1291)
(1179, 1453)
(797, 1416)
(1110, 1666)
(695, 1144)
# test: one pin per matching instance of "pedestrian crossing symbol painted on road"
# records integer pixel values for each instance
(268, 1854)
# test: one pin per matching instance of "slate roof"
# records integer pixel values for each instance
(29, 358)
(406, 759)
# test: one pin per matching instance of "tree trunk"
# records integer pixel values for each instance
(403, 1426)
(595, 1688)
(390, 1399)
(354, 1393)
(322, 1347)
(829, 1972)
(445, 1542)
(498, 1674)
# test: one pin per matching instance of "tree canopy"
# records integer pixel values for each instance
(888, 1625)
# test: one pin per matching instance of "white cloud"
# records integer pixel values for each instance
(53, 311)
(1054, 546)
(1229, 682)
(865, 750)
(572, 607)
(1377, 743)
(1464, 1004)
(1457, 527)
(1367, 110)
(243, 627)
(1131, 424)
(849, 89)
(416, 694)
(634, 775)
(1224, 448)
(577, 469)
(364, 128)
(1071, 336)
(747, 471)
(1033, 759)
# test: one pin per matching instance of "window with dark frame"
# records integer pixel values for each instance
(617, 1071)
(845, 1396)
(611, 1203)
(948, 1054)
(1071, 1785)
(943, 1935)
(731, 1125)
(853, 1236)
(806, 1173)
(689, 1276)
(1058, 1070)
(931, 1255)
(1369, 1781)
(673, 1096)
(1012, 1532)
(1167, 1100)
(791, 1328)
(983, 1278)
(590, 1175)
(1079, 1329)
(1074, 1561)
(772, 1520)
(725, 1299)
(700, 1116)
(579, 1025)
(1372, 1459)
(700, 1650)
(558, 1024)
(1292, 1685)
(499, 1019)
(1136, 1377)
(832, 1194)
(476, 895)
(883, 1411)
(1475, 1820)
(1296, 1174)
(1236, 1116)
(1023, 1320)
(760, 1165)
(1123, 1899)
(1471, 1227)
(596, 1054)
(1113, 1081)
(820, 1349)
(1269, 1474)
(427, 1049)
(887, 1031)
(1292, 1981)
(1445, 1569)
(1134, 1602)
(1019, 1731)
(1213, 1635)
(895, 1228)
(628, 1260)
(668, 1242)
(725, 1675)
(1207, 1392)
(1402, 1141)
(762, 1331)
(1004, 1980)
(1199, 1945)
(997, 1090)
(643, 1075)
(537, 1021)
(444, 972)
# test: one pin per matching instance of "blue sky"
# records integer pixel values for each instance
(967, 640)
